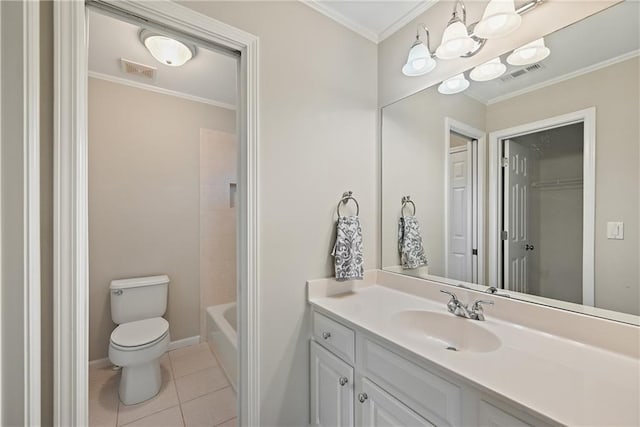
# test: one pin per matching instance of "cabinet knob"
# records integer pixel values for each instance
(343, 381)
(362, 397)
(326, 335)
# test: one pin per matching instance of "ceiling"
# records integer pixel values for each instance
(210, 77)
(375, 20)
(597, 41)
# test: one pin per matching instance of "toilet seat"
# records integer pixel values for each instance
(139, 334)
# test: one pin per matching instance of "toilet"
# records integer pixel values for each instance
(142, 335)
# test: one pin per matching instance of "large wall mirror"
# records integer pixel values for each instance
(529, 182)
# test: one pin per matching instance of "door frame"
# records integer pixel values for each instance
(479, 184)
(586, 116)
(71, 198)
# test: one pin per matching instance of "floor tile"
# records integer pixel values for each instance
(101, 377)
(103, 412)
(166, 398)
(211, 409)
(171, 417)
(193, 362)
(200, 383)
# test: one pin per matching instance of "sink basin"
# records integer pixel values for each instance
(445, 331)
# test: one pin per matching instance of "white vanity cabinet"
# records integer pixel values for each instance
(358, 380)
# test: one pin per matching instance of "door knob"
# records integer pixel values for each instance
(528, 247)
(326, 335)
(343, 381)
(362, 397)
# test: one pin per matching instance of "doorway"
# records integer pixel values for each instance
(542, 207)
(71, 195)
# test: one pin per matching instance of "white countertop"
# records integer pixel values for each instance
(570, 382)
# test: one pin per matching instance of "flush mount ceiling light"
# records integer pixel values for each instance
(455, 84)
(420, 60)
(499, 19)
(488, 71)
(456, 41)
(529, 53)
(166, 50)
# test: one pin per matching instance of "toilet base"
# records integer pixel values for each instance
(140, 382)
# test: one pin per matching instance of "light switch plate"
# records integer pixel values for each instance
(615, 230)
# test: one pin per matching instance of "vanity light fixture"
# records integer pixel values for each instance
(499, 19)
(166, 50)
(530, 53)
(420, 59)
(488, 71)
(456, 41)
(455, 84)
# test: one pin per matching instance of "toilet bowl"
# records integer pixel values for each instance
(141, 337)
(137, 348)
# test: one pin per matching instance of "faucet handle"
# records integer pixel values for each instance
(477, 305)
(454, 298)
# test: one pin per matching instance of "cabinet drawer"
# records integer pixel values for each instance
(431, 396)
(334, 336)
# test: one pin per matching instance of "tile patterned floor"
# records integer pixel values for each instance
(195, 393)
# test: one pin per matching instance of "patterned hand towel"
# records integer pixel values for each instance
(410, 243)
(348, 249)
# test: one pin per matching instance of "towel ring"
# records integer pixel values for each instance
(405, 201)
(346, 196)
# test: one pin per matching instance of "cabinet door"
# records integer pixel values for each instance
(381, 409)
(331, 389)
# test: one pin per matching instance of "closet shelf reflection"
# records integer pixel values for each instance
(564, 183)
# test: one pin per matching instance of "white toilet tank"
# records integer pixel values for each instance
(138, 298)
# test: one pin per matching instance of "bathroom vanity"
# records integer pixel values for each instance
(386, 351)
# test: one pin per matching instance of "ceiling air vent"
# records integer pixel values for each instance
(130, 67)
(522, 71)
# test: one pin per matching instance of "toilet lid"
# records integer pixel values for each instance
(140, 332)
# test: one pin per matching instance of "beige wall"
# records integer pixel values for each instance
(614, 91)
(318, 99)
(144, 204)
(218, 161)
(392, 52)
(413, 163)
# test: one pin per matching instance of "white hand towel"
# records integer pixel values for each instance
(410, 243)
(348, 249)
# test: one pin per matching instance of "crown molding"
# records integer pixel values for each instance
(156, 89)
(341, 19)
(568, 76)
(406, 19)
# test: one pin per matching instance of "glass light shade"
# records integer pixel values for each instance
(167, 50)
(419, 61)
(499, 19)
(455, 41)
(530, 53)
(488, 71)
(455, 84)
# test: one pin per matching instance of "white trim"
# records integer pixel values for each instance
(173, 345)
(479, 175)
(421, 8)
(31, 117)
(184, 342)
(568, 76)
(156, 89)
(341, 19)
(70, 199)
(588, 117)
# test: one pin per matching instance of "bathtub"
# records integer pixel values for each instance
(222, 337)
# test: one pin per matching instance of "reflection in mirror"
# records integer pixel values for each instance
(529, 182)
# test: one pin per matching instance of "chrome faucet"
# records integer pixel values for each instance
(459, 309)
(494, 291)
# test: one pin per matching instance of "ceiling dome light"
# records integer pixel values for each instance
(488, 71)
(419, 61)
(455, 41)
(530, 53)
(166, 50)
(455, 84)
(499, 19)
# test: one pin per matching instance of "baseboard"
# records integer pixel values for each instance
(185, 342)
(173, 345)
